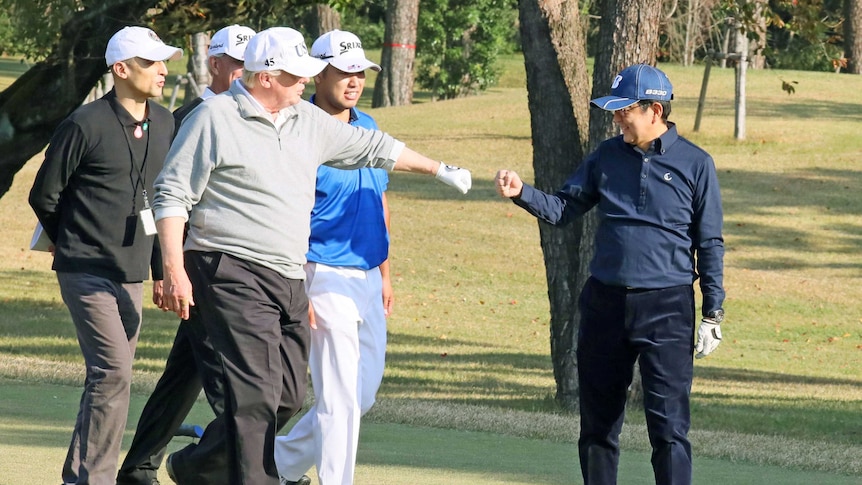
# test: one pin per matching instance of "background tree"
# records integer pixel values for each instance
(394, 84)
(852, 37)
(37, 101)
(628, 34)
(324, 18)
(67, 38)
(563, 132)
(552, 39)
(198, 75)
(461, 42)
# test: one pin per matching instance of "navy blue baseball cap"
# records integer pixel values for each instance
(633, 84)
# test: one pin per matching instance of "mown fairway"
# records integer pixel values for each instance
(469, 338)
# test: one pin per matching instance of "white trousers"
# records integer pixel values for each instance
(346, 360)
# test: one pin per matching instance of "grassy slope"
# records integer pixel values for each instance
(471, 321)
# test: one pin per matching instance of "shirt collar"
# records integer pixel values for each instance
(668, 138)
(125, 118)
(254, 102)
(208, 93)
(354, 115)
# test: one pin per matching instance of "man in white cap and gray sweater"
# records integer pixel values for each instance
(242, 173)
(191, 358)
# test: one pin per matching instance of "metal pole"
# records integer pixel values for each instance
(739, 131)
(702, 99)
(741, 65)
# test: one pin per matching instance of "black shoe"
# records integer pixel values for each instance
(169, 467)
(303, 480)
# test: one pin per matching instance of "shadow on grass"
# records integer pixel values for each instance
(760, 377)
(808, 109)
(42, 329)
(826, 191)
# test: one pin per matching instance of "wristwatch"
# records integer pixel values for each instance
(717, 315)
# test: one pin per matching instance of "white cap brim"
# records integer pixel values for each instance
(305, 66)
(353, 65)
(162, 53)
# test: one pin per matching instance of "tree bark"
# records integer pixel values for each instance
(756, 56)
(852, 38)
(394, 84)
(197, 66)
(43, 96)
(323, 19)
(557, 85)
(628, 34)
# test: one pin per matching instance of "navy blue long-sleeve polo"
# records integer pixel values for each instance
(660, 215)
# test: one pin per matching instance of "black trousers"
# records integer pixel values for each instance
(618, 327)
(191, 359)
(257, 322)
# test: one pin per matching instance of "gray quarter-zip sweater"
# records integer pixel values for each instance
(247, 186)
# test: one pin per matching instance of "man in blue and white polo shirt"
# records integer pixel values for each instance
(347, 282)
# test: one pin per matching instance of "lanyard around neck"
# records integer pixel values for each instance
(141, 130)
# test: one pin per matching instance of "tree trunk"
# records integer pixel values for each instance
(692, 32)
(323, 19)
(852, 38)
(197, 66)
(394, 84)
(628, 34)
(557, 85)
(756, 57)
(43, 96)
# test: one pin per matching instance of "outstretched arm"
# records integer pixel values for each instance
(411, 161)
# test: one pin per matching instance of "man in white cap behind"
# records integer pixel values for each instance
(225, 56)
(191, 357)
(91, 197)
(242, 173)
(347, 282)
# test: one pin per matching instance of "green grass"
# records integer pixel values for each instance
(470, 332)
(33, 438)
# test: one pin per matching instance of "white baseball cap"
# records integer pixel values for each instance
(343, 50)
(141, 42)
(281, 48)
(230, 41)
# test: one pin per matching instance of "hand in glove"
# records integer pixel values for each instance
(708, 337)
(455, 176)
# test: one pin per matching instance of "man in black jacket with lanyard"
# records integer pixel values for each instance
(92, 196)
(659, 230)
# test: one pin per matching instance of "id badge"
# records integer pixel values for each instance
(148, 221)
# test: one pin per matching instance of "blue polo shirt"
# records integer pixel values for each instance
(660, 215)
(347, 223)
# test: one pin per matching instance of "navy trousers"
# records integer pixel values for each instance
(619, 326)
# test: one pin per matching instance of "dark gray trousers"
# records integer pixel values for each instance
(107, 318)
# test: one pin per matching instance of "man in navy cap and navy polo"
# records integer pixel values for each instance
(660, 221)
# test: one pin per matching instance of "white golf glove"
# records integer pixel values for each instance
(708, 337)
(455, 176)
